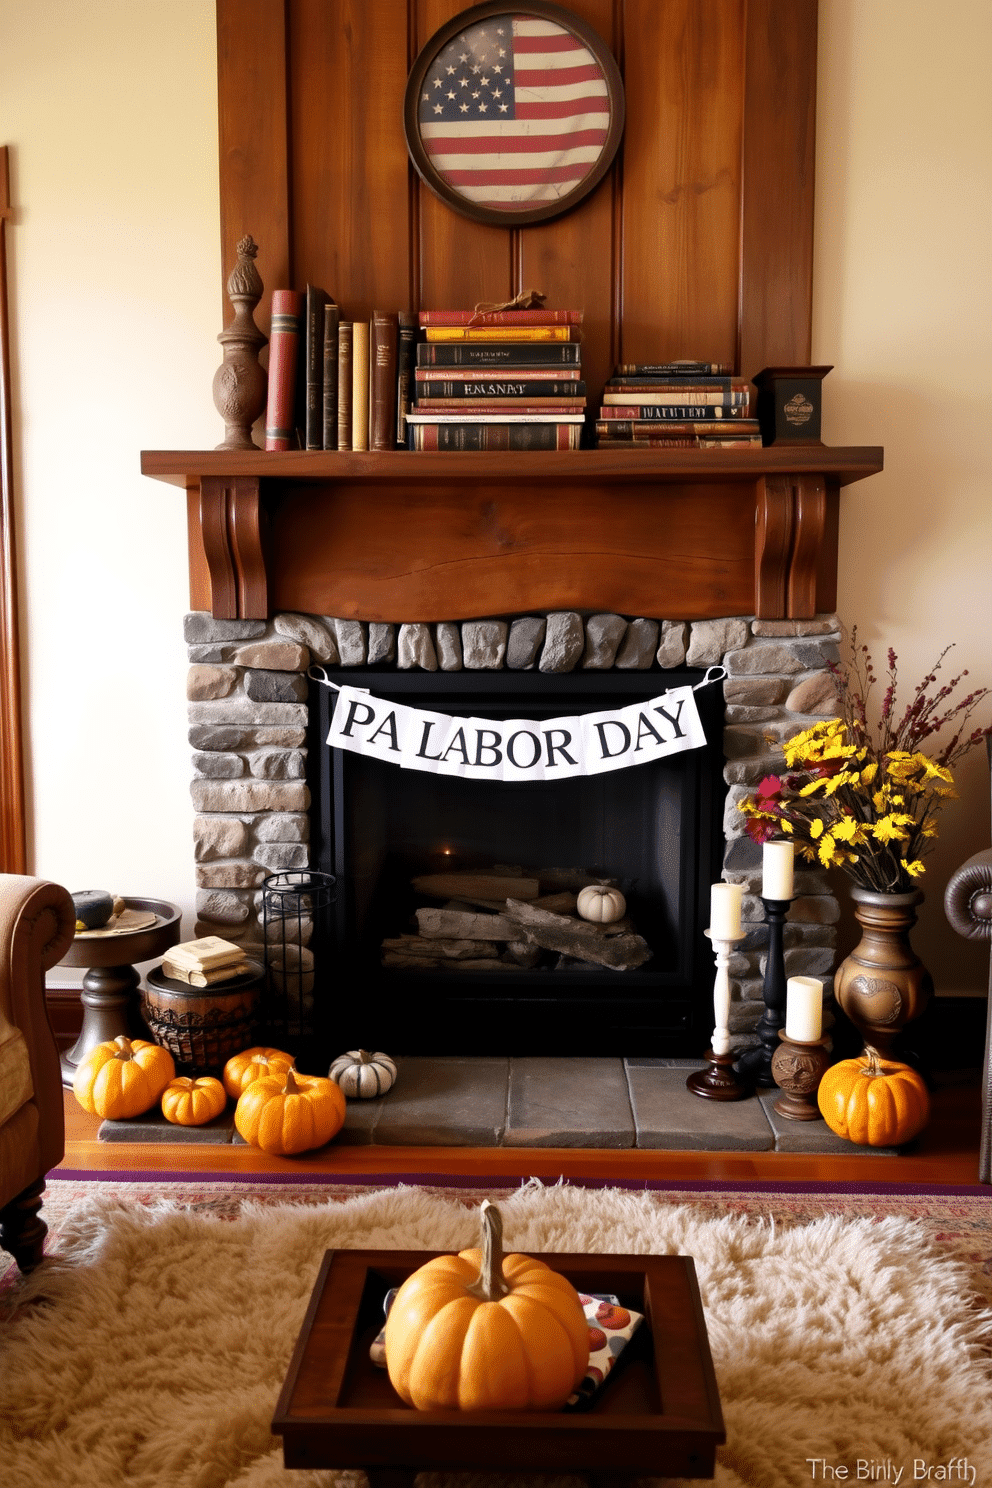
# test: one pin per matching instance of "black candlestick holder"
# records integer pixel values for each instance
(755, 1064)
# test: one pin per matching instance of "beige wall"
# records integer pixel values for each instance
(115, 284)
(903, 310)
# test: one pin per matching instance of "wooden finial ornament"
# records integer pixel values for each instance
(240, 382)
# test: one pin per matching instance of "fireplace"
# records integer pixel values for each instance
(270, 795)
(654, 830)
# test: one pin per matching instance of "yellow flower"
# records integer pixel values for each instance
(934, 771)
(891, 828)
(869, 772)
(848, 829)
(815, 828)
(914, 868)
(827, 850)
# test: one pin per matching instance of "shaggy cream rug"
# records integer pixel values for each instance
(150, 1352)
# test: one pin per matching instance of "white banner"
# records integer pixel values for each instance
(516, 748)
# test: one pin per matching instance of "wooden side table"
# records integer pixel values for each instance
(110, 996)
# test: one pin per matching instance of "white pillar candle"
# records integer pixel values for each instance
(725, 911)
(803, 1009)
(777, 863)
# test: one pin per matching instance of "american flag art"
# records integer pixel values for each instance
(514, 109)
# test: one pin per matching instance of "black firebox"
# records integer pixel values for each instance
(653, 829)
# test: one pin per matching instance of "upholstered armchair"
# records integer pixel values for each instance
(37, 923)
(968, 905)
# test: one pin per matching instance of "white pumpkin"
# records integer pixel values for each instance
(363, 1075)
(601, 903)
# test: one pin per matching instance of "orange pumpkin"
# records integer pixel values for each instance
(187, 1102)
(290, 1113)
(484, 1331)
(873, 1101)
(122, 1078)
(241, 1069)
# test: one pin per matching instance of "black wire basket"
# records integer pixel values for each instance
(297, 922)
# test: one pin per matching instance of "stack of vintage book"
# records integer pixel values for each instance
(498, 379)
(332, 381)
(205, 962)
(676, 405)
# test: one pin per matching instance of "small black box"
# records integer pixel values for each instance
(789, 403)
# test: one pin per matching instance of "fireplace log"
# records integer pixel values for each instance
(556, 903)
(578, 938)
(453, 924)
(451, 950)
(524, 953)
(476, 886)
(400, 959)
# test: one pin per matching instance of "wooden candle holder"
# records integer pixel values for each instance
(798, 1067)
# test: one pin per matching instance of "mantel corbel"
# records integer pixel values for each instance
(231, 526)
(791, 527)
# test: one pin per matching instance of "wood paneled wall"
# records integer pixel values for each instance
(697, 243)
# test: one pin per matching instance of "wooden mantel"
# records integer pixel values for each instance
(404, 536)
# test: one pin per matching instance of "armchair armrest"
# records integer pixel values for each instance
(968, 897)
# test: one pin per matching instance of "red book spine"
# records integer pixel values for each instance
(284, 347)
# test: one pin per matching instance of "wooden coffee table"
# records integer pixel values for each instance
(658, 1412)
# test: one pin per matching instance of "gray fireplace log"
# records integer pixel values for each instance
(578, 938)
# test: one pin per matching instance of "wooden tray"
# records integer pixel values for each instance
(658, 1413)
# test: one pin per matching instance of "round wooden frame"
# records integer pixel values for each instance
(480, 211)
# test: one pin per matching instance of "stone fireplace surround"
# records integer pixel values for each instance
(248, 716)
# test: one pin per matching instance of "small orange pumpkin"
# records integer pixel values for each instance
(484, 1331)
(241, 1069)
(187, 1102)
(873, 1101)
(290, 1112)
(122, 1078)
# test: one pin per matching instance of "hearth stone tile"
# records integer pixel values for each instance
(447, 1102)
(360, 1121)
(568, 1103)
(812, 1136)
(153, 1127)
(670, 1117)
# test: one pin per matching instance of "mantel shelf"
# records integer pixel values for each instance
(417, 536)
(841, 465)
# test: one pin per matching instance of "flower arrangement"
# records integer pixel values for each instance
(864, 797)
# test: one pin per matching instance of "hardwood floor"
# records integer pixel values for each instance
(945, 1154)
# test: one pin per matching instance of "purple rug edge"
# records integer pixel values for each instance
(459, 1180)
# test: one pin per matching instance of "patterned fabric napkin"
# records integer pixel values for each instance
(611, 1327)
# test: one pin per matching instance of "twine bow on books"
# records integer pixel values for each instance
(527, 299)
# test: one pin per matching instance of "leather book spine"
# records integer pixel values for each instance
(314, 416)
(345, 349)
(360, 384)
(284, 342)
(406, 352)
(382, 377)
(332, 317)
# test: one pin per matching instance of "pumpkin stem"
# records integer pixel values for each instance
(291, 1086)
(490, 1284)
(364, 1057)
(873, 1067)
(124, 1049)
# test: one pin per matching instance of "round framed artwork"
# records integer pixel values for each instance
(513, 114)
